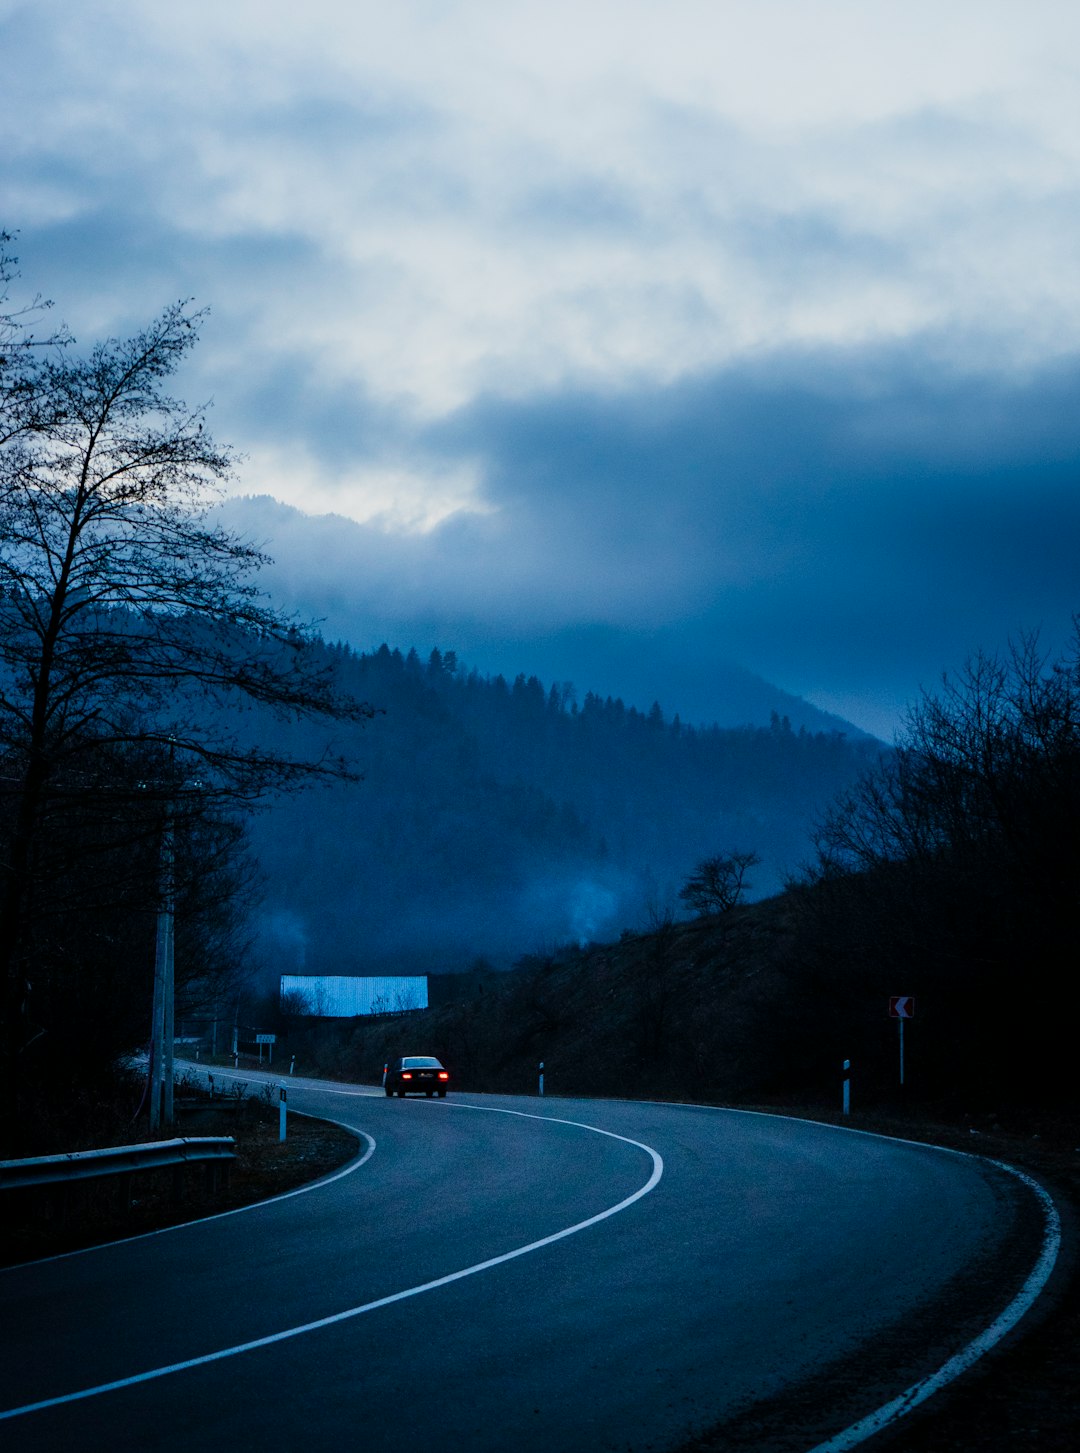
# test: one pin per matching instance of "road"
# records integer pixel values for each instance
(547, 1275)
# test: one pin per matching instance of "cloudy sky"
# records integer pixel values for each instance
(746, 328)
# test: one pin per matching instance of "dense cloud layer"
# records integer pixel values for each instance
(849, 526)
(699, 331)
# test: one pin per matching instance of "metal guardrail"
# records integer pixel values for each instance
(80, 1165)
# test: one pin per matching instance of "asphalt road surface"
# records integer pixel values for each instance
(499, 1273)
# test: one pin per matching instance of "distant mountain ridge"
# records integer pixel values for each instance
(364, 588)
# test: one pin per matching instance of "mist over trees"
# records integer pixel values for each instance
(149, 691)
(497, 819)
(946, 871)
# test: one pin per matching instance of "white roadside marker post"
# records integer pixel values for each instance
(541, 1079)
(282, 1112)
(847, 1087)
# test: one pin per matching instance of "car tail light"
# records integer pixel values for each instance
(407, 1075)
(443, 1075)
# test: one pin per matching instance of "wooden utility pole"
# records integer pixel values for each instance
(163, 1036)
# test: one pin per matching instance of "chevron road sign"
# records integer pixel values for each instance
(901, 1007)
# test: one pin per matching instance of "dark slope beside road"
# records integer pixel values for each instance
(768, 1251)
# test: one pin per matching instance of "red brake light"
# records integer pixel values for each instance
(406, 1074)
(443, 1075)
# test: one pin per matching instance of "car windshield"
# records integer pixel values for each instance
(421, 1062)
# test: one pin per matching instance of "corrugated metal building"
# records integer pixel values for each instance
(341, 996)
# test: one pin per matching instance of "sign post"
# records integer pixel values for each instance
(267, 1039)
(901, 1007)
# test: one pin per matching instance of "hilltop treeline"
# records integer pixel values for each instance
(948, 871)
(951, 872)
(498, 818)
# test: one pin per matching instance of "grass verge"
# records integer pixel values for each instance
(40, 1223)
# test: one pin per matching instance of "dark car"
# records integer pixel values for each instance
(417, 1074)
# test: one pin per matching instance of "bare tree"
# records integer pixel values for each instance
(717, 884)
(952, 869)
(23, 353)
(406, 999)
(989, 767)
(131, 626)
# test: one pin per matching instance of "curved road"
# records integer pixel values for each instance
(635, 1273)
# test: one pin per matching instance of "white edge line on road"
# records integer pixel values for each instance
(918, 1393)
(1000, 1327)
(326, 1180)
(428, 1286)
(850, 1437)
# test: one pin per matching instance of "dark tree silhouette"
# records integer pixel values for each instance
(952, 870)
(23, 353)
(717, 884)
(130, 624)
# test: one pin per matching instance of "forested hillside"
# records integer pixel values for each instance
(947, 873)
(497, 819)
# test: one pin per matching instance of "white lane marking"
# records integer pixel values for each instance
(851, 1437)
(428, 1286)
(918, 1393)
(326, 1180)
(1025, 1298)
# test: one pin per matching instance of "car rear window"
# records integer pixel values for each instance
(420, 1062)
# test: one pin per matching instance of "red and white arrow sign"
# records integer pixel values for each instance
(902, 1006)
